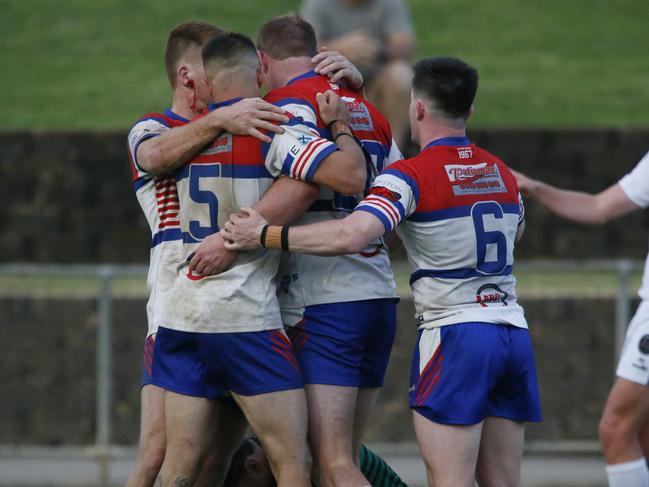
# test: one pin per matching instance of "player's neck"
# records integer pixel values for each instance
(430, 132)
(230, 92)
(184, 104)
(290, 68)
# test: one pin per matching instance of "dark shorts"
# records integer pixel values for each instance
(212, 364)
(346, 344)
(463, 373)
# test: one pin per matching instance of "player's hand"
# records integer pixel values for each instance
(358, 47)
(243, 230)
(250, 116)
(338, 68)
(525, 184)
(332, 107)
(211, 257)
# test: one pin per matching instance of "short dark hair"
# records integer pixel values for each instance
(185, 36)
(287, 36)
(228, 46)
(449, 83)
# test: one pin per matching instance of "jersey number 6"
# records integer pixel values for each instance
(485, 238)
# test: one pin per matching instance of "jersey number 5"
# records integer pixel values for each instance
(198, 195)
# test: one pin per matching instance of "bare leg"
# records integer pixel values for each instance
(230, 429)
(279, 419)
(190, 423)
(625, 415)
(450, 452)
(364, 405)
(331, 431)
(151, 447)
(501, 449)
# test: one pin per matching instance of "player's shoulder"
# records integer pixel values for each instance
(166, 119)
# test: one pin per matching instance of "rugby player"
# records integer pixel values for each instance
(624, 426)
(473, 378)
(159, 143)
(343, 309)
(249, 468)
(224, 333)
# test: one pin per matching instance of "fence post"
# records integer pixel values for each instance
(622, 305)
(104, 372)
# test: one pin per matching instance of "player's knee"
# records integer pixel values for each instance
(612, 430)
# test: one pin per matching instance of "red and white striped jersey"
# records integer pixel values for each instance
(230, 173)
(158, 198)
(458, 210)
(308, 279)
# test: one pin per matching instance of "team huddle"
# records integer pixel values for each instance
(287, 330)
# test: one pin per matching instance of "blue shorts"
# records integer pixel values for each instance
(346, 344)
(211, 364)
(463, 373)
(147, 361)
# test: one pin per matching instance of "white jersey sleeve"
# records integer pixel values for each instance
(392, 198)
(297, 152)
(141, 131)
(394, 155)
(636, 183)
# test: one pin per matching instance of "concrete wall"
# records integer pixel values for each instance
(68, 197)
(48, 382)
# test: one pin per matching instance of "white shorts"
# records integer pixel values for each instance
(634, 360)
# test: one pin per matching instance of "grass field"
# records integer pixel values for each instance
(97, 64)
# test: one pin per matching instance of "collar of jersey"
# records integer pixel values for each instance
(308, 74)
(214, 106)
(452, 141)
(175, 116)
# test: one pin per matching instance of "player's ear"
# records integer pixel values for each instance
(263, 61)
(250, 464)
(260, 77)
(420, 109)
(182, 74)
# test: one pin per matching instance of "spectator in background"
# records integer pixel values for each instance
(377, 36)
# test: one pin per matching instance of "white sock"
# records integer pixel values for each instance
(628, 474)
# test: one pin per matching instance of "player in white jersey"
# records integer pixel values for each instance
(159, 143)
(224, 333)
(473, 379)
(624, 426)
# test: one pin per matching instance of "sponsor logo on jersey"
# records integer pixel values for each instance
(361, 119)
(475, 178)
(488, 294)
(222, 144)
(643, 346)
(385, 193)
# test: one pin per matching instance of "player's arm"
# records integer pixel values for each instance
(172, 149)
(344, 170)
(284, 201)
(335, 237)
(592, 209)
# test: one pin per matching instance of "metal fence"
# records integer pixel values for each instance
(622, 269)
